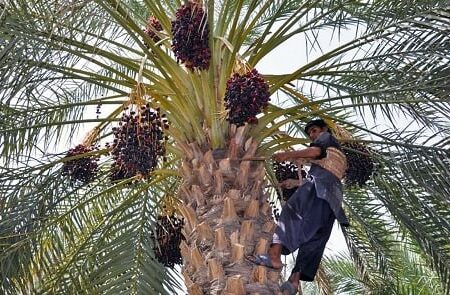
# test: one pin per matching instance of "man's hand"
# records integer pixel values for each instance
(280, 157)
(308, 153)
(290, 183)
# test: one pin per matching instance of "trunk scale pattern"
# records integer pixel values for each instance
(226, 217)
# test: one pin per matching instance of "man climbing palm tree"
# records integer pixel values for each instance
(307, 217)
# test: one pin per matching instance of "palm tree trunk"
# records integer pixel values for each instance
(226, 217)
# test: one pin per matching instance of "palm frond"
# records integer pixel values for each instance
(424, 209)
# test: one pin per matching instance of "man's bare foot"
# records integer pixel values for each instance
(276, 261)
(265, 260)
(275, 255)
(288, 288)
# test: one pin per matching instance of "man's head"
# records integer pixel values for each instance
(315, 127)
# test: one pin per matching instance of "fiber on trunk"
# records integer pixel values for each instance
(232, 222)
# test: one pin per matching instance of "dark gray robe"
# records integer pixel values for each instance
(307, 218)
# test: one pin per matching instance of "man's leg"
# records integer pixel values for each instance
(310, 253)
(294, 278)
(275, 255)
(290, 228)
(291, 286)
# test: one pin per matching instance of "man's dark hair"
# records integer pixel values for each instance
(318, 123)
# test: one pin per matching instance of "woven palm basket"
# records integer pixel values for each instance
(335, 162)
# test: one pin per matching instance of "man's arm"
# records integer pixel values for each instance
(308, 153)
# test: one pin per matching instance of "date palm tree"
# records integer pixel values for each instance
(388, 62)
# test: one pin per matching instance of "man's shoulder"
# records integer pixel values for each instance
(327, 139)
(325, 136)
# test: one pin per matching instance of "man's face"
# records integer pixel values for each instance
(315, 131)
